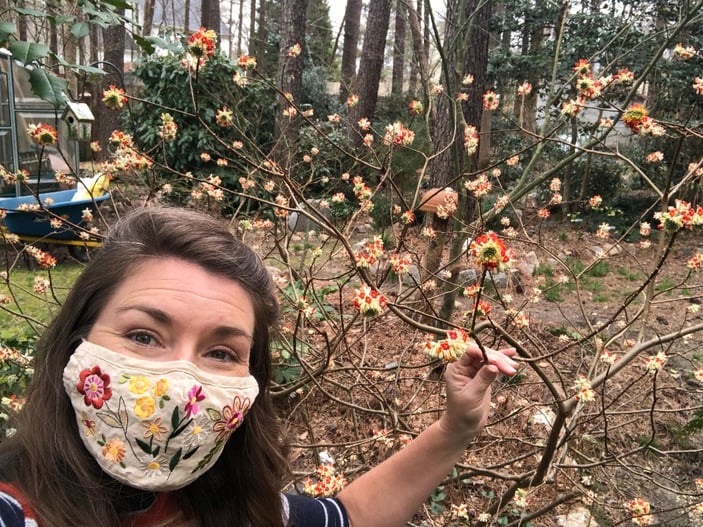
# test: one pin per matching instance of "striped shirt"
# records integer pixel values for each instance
(299, 511)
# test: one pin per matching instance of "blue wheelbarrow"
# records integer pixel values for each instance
(35, 225)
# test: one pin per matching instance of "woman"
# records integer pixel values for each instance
(149, 404)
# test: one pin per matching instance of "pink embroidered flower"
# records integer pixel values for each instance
(232, 417)
(195, 395)
(95, 387)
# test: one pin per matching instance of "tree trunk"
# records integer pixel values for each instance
(53, 8)
(476, 62)
(148, 18)
(252, 28)
(186, 16)
(448, 161)
(352, 23)
(94, 52)
(114, 46)
(399, 50)
(290, 77)
(420, 65)
(261, 34)
(240, 28)
(210, 16)
(371, 65)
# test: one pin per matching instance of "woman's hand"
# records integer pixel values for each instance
(469, 382)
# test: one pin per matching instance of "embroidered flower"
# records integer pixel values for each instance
(88, 425)
(114, 450)
(195, 395)
(198, 432)
(139, 384)
(154, 429)
(231, 418)
(144, 406)
(155, 466)
(160, 388)
(94, 385)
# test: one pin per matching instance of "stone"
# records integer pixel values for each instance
(577, 517)
(467, 277)
(412, 277)
(500, 280)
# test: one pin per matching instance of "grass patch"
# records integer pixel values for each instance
(629, 275)
(666, 285)
(38, 308)
(594, 286)
(601, 298)
(544, 270)
(598, 270)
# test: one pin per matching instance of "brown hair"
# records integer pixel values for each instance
(59, 476)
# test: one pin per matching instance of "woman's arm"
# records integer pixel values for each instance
(389, 494)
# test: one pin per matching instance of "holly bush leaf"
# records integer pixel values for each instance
(48, 86)
(28, 52)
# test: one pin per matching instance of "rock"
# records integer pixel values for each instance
(467, 277)
(578, 517)
(597, 250)
(298, 222)
(500, 280)
(412, 277)
(526, 269)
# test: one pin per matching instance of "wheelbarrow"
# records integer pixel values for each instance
(35, 225)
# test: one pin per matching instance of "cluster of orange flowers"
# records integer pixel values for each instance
(491, 252)
(43, 134)
(369, 302)
(681, 215)
(449, 349)
(326, 483)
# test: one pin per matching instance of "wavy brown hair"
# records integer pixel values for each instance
(46, 457)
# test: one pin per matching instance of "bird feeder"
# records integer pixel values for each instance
(435, 197)
(79, 120)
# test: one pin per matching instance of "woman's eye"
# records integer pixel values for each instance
(223, 355)
(142, 338)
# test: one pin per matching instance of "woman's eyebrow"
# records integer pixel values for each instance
(162, 317)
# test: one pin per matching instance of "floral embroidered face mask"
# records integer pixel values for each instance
(153, 425)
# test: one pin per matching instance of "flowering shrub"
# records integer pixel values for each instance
(368, 316)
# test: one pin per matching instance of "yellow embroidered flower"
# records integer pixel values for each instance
(139, 384)
(160, 388)
(144, 407)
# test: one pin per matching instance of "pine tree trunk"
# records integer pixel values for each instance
(148, 24)
(371, 64)
(114, 47)
(399, 50)
(290, 77)
(352, 23)
(210, 16)
(420, 64)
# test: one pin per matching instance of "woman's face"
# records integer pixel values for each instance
(171, 309)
